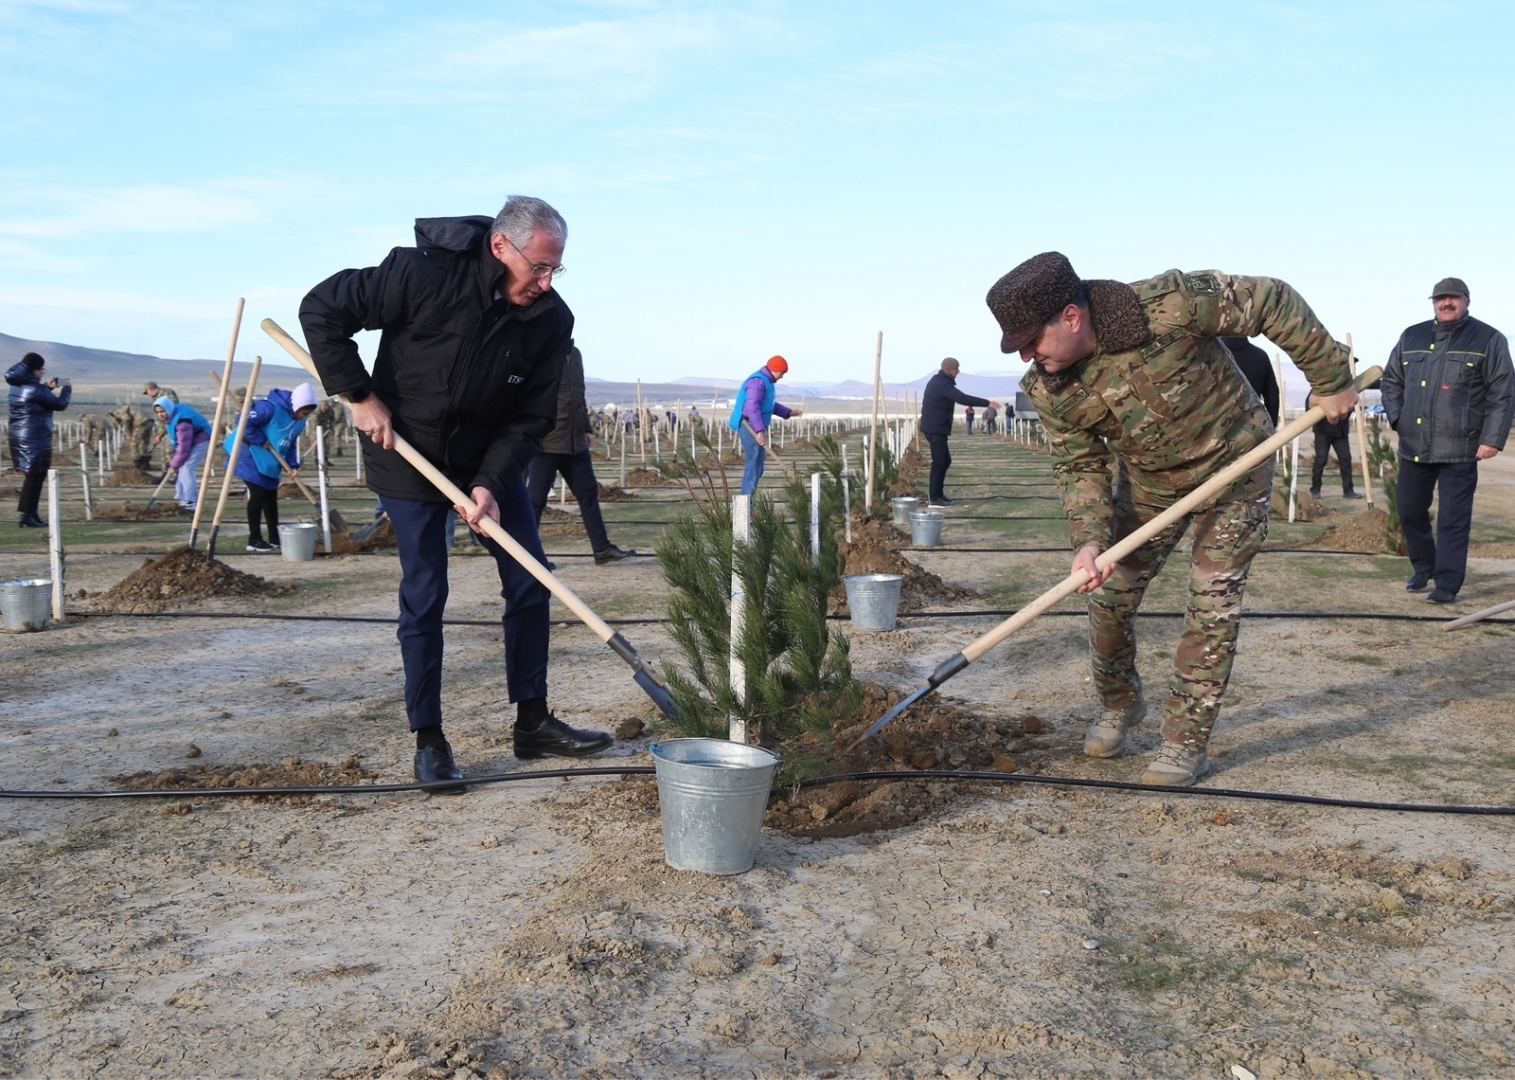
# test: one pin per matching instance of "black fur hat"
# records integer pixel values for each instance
(1030, 296)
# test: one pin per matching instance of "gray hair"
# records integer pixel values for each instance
(522, 215)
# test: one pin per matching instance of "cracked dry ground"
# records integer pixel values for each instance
(532, 929)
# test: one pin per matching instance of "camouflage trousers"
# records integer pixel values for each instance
(1226, 537)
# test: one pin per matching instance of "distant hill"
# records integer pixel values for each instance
(103, 376)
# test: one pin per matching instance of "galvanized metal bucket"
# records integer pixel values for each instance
(901, 507)
(873, 600)
(26, 604)
(926, 527)
(713, 794)
(297, 543)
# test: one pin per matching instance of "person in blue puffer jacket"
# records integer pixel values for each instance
(32, 404)
(757, 403)
(274, 425)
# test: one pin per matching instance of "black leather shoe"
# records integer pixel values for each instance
(612, 554)
(1351, 494)
(1442, 596)
(558, 739)
(434, 764)
(943, 501)
(32, 521)
(1418, 583)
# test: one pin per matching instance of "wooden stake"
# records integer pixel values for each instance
(231, 461)
(641, 426)
(1362, 433)
(215, 425)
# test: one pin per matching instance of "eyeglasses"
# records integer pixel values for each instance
(538, 270)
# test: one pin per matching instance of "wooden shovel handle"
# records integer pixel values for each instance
(496, 532)
(1200, 496)
(285, 466)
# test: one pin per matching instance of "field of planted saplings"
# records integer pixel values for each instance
(961, 893)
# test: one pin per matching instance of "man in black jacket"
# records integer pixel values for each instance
(937, 402)
(566, 450)
(473, 345)
(1331, 435)
(1449, 391)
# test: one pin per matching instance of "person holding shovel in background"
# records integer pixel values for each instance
(473, 346)
(1133, 375)
(188, 442)
(753, 412)
(272, 435)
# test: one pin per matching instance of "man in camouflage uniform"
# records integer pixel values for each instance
(152, 391)
(138, 432)
(1134, 376)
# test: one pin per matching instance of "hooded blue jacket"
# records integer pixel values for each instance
(31, 421)
(270, 421)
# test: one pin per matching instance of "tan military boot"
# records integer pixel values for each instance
(1177, 765)
(1106, 737)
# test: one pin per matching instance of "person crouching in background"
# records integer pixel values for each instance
(274, 425)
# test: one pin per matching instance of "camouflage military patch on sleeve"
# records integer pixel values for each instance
(1155, 347)
(1063, 403)
(1202, 284)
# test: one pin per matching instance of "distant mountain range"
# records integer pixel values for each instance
(103, 375)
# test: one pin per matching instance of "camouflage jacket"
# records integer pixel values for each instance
(1166, 398)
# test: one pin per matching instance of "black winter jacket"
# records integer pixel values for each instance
(471, 380)
(937, 400)
(32, 406)
(1449, 389)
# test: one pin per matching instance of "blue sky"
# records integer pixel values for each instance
(743, 178)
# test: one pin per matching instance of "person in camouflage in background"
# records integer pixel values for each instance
(1134, 376)
(138, 432)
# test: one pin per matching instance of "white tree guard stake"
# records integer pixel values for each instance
(846, 496)
(357, 457)
(321, 485)
(55, 543)
(641, 425)
(741, 534)
(623, 460)
(89, 509)
(236, 453)
(657, 446)
(815, 518)
(617, 644)
(215, 424)
(102, 450)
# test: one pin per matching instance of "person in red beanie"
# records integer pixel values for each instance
(757, 403)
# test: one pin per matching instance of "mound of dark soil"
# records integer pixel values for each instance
(131, 476)
(291, 772)
(182, 574)
(932, 734)
(612, 493)
(1366, 532)
(872, 552)
(640, 478)
(346, 543)
(131, 511)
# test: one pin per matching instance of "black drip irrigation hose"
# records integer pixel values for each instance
(972, 613)
(820, 781)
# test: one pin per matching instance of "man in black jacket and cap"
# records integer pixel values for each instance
(937, 402)
(1449, 391)
(565, 450)
(473, 345)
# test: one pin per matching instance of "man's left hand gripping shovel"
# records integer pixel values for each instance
(618, 645)
(1199, 497)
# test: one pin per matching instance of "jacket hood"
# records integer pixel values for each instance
(284, 398)
(452, 233)
(20, 375)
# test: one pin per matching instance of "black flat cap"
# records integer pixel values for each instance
(1451, 286)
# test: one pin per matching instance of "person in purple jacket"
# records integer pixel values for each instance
(189, 441)
(757, 403)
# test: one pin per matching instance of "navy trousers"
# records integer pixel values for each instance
(578, 472)
(420, 533)
(1443, 556)
(941, 458)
